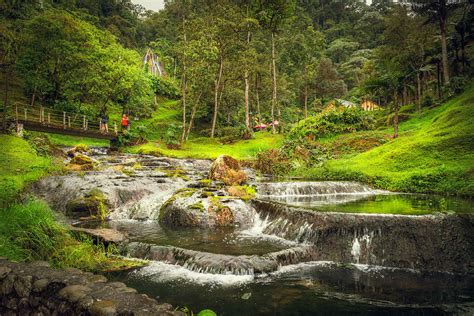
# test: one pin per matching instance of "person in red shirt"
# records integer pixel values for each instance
(125, 122)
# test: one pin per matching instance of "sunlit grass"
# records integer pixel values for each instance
(19, 166)
(207, 148)
(434, 153)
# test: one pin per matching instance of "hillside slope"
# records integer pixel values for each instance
(434, 153)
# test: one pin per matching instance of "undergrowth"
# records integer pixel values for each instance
(30, 232)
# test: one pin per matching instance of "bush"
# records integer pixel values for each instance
(273, 162)
(171, 137)
(345, 120)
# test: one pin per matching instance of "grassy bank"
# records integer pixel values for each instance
(207, 148)
(434, 153)
(28, 230)
(20, 165)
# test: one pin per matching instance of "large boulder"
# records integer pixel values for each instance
(227, 170)
(81, 162)
(192, 208)
(92, 204)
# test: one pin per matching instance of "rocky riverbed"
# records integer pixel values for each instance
(205, 225)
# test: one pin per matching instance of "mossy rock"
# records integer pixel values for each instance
(227, 169)
(82, 160)
(93, 204)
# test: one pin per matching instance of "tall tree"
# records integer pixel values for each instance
(272, 14)
(438, 10)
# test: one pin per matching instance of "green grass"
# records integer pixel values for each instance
(434, 153)
(206, 148)
(71, 141)
(20, 165)
(29, 232)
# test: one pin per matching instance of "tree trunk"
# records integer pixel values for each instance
(247, 110)
(306, 100)
(257, 97)
(418, 84)
(438, 79)
(444, 48)
(193, 113)
(395, 116)
(247, 107)
(33, 97)
(5, 100)
(274, 92)
(185, 85)
(217, 84)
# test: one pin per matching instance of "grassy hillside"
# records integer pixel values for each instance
(434, 153)
(19, 165)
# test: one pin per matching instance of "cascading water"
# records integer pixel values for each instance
(314, 194)
(265, 251)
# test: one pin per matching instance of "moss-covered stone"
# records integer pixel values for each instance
(227, 169)
(244, 192)
(92, 204)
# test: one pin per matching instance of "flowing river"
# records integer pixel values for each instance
(298, 248)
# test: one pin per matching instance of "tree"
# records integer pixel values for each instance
(8, 51)
(438, 10)
(70, 64)
(272, 14)
(327, 83)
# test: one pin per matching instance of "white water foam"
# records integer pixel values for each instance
(257, 231)
(161, 272)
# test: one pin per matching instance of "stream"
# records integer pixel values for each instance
(298, 248)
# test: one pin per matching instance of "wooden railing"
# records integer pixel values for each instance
(48, 119)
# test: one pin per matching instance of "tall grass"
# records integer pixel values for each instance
(29, 232)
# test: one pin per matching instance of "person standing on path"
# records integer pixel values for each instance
(125, 122)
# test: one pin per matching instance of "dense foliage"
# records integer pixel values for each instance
(237, 63)
(343, 120)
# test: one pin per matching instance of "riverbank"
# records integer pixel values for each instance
(29, 229)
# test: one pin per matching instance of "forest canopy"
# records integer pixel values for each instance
(237, 63)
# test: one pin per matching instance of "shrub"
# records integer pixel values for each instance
(171, 137)
(344, 120)
(273, 162)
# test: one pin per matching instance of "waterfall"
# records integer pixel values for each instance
(205, 262)
(298, 189)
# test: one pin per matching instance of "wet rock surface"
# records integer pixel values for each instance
(134, 186)
(223, 264)
(203, 208)
(37, 289)
(430, 242)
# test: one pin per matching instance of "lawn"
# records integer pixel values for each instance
(207, 148)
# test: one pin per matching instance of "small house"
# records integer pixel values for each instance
(368, 105)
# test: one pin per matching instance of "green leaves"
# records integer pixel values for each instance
(68, 62)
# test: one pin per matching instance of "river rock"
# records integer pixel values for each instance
(73, 293)
(227, 169)
(192, 208)
(105, 235)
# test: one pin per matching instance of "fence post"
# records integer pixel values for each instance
(87, 123)
(68, 121)
(16, 113)
(64, 120)
(49, 118)
(26, 114)
(84, 122)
